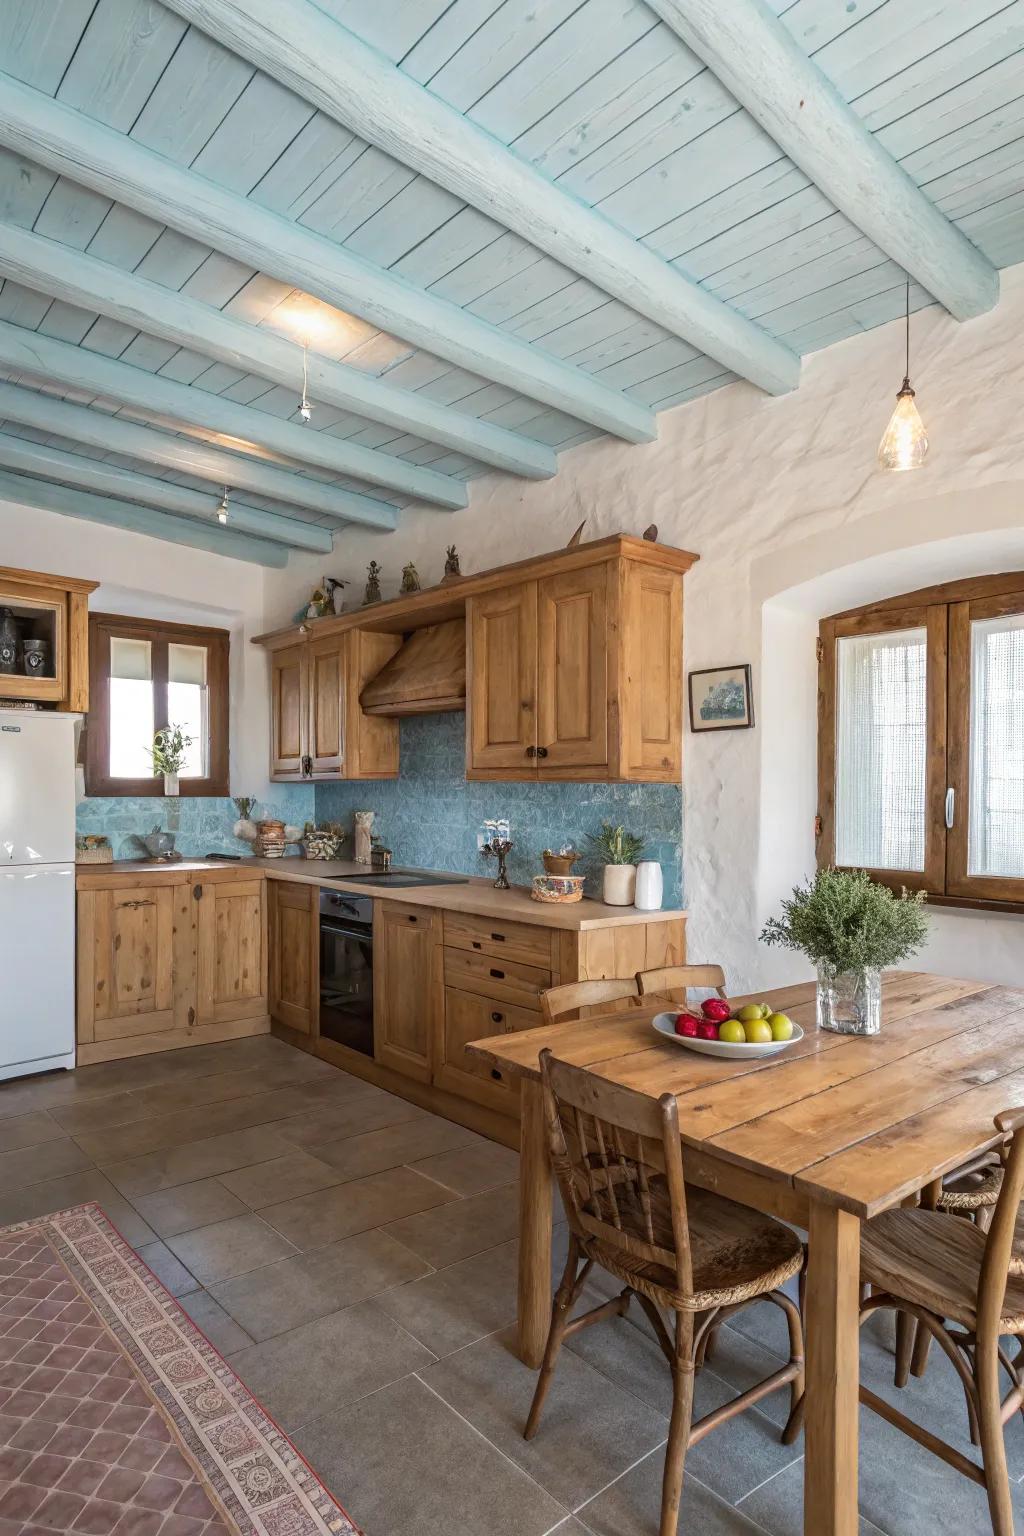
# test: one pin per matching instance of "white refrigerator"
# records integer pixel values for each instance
(37, 891)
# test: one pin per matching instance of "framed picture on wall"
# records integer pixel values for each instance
(721, 699)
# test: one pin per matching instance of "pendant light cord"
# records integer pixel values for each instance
(907, 373)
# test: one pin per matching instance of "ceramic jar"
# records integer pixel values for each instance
(649, 886)
(619, 884)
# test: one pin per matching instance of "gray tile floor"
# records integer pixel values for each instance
(354, 1258)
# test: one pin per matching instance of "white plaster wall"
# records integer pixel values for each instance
(774, 495)
(150, 578)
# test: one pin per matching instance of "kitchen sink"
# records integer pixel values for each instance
(403, 878)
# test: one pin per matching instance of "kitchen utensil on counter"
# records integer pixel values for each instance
(649, 886)
(558, 888)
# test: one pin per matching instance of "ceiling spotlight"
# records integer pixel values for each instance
(222, 510)
(305, 408)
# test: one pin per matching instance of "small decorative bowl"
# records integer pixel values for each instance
(321, 845)
(558, 863)
(558, 888)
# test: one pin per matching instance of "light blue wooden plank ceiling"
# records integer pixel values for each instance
(507, 229)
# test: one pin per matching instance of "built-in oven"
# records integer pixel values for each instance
(346, 970)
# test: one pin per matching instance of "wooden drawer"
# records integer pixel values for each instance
(469, 1017)
(491, 936)
(507, 981)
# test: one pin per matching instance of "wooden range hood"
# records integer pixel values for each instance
(427, 676)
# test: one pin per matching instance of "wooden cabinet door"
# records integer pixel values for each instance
(572, 671)
(131, 937)
(231, 950)
(501, 683)
(326, 739)
(289, 712)
(408, 987)
(293, 941)
(468, 1017)
(651, 683)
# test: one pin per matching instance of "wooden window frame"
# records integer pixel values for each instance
(946, 612)
(105, 626)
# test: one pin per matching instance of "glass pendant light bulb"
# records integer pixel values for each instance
(222, 510)
(904, 442)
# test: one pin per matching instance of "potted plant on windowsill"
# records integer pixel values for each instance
(169, 750)
(850, 928)
(619, 850)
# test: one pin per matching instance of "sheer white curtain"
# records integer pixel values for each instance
(996, 830)
(881, 749)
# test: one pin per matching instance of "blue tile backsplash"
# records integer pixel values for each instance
(429, 816)
(201, 824)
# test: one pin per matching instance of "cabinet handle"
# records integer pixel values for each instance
(498, 975)
(133, 905)
(542, 751)
(496, 1017)
(191, 1016)
(499, 938)
(410, 918)
(496, 1075)
(950, 807)
(531, 751)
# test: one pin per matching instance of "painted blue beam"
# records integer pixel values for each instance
(95, 156)
(80, 424)
(26, 492)
(110, 480)
(80, 279)
(300, 45)
(238, 426)
(759, 61)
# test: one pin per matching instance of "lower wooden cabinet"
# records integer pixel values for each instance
(468, 1017)
(408, 987)
(166, 960)
(293, 913)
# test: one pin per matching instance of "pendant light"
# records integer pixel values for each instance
(904, 442)
(222, 510)
(305, 408)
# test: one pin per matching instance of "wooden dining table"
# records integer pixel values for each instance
(825, 1135)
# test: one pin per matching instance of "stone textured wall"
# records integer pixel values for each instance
(201, 824)
(429, 815)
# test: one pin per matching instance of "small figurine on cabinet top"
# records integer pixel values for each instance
(410, 578)
(452, 568)
(372, 593)
(324, 599)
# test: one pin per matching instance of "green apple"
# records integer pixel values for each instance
(732, 1031)
(758, 1031)
(749, 1012)
(781, 1026)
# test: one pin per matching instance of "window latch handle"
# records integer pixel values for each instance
(950, 807)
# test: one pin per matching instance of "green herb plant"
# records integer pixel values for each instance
(846, 921)
(170, 744)
(616, 846)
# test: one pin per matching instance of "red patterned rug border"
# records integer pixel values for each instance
(264, 1484)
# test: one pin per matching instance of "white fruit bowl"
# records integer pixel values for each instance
(665, 1024)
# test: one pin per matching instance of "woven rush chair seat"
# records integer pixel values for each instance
(935, 1263)
(737, 1254)
(972, 1189)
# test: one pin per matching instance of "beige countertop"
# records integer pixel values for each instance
(475, 895)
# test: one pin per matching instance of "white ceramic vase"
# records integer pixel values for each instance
(649, 886)
(170, 783)
(619, 884)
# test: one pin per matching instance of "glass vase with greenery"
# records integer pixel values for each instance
(850, 928)
(169, 751)
(618, 850)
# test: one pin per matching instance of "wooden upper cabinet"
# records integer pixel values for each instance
(55, 610)
(231, 949)
(293, 930)
(326, 741)
(408, 987)
(289, 712)
(501, 681)
(572, 670)
(650, 690)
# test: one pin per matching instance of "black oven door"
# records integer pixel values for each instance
(346, 984)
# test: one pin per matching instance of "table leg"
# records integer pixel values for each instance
(534, 1227)
(833, 1373)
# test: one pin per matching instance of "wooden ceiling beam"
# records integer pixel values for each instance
(759, 61)
(25, 491)
(67, 141)
(297, 43)
(80, 424)
(94, 475)
(80, 279)
(240, 427)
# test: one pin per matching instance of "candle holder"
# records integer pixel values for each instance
(499, 848)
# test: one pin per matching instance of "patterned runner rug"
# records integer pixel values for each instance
(118, 1416)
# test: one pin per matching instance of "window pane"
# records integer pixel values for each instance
(186, 706)
(131, 728)
(996, 830)
(881, 748)
(186, 664)
(131, 658)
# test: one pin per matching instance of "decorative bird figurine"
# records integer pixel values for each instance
(650, 533)
(577, 535)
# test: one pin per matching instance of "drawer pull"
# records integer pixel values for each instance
(411, 918)
(498, 975)
(496, 1075)
(477, 944)
(496, 1017)
(499, 938)
(134, 905)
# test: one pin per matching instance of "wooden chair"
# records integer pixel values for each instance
(618, 1160)
(557, 1002)
(680, 978)
(963, 1287)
